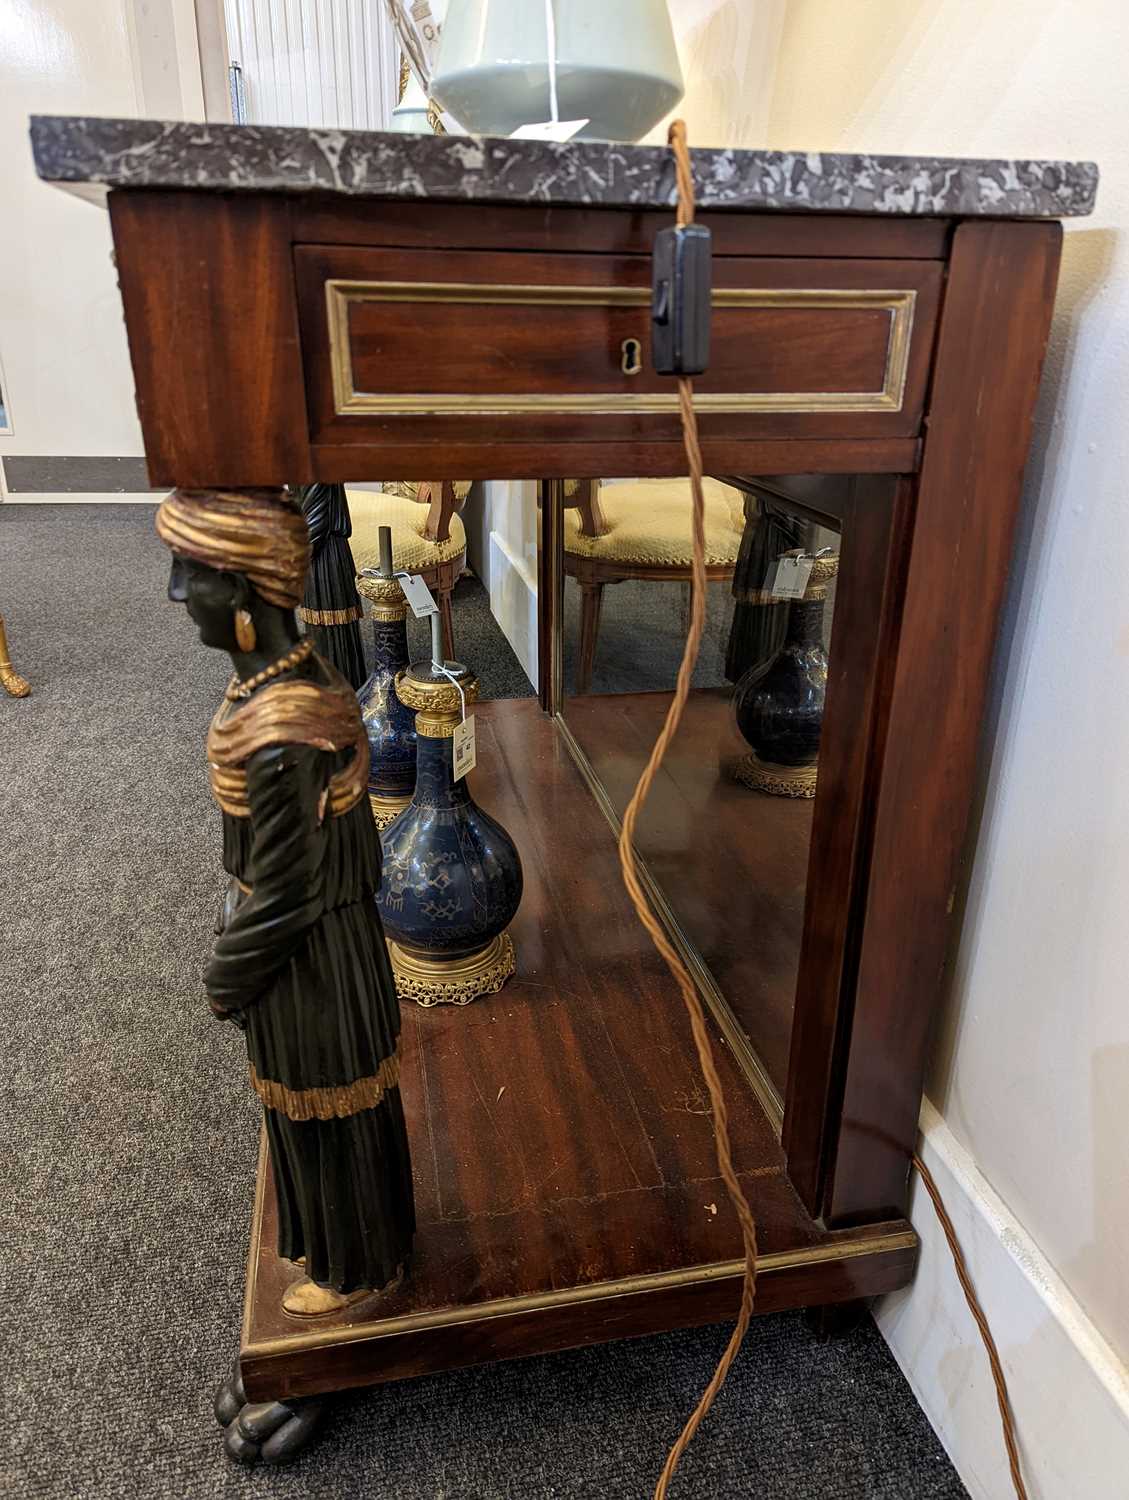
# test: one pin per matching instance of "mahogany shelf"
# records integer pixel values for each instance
(566, 1184)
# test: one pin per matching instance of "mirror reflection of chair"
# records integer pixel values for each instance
(640, 530)
(428, 536)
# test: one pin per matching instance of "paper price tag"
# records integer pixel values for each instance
(548, 130)
(463, 748)
(418, 595)
(792, 574)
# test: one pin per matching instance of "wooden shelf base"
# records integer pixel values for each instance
(566, 1186)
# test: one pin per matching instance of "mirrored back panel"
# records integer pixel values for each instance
(726, 836)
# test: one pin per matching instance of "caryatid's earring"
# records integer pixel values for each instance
(244, 630)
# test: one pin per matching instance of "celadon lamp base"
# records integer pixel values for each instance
(616, 65)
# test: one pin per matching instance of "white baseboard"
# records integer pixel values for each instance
(1069, 1391)
(80, 497)
(513, 602)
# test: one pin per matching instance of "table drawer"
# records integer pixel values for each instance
(524, 342)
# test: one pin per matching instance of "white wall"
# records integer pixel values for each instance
(728, 50)
(62, 339)
(68, 386)
(165, 53)
(501, 524)
(68, 382)
(1031, 1072)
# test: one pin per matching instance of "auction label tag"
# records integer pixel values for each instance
(418, 595)
(548, 130)
(463, 748)
(792, 574)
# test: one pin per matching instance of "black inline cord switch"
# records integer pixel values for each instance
(680, 300)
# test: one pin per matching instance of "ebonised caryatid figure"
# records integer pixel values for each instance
(330, 609)
(760, 622)
(301, 963)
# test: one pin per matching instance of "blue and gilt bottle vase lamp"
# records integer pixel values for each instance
(779, 707)
(390, 724)
(451, 880)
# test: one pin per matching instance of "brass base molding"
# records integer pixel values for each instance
(778, 781)
(452, 981)
(385, 810)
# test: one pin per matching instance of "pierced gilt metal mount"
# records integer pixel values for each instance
(778, 781)
(385, 595)
(446, 981)
(437, 704)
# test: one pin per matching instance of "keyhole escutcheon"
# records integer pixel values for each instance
(632, 361)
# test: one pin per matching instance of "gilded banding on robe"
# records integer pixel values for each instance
(336, 1103)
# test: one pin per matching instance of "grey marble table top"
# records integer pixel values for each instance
(93, 155)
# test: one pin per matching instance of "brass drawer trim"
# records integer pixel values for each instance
(348, 401)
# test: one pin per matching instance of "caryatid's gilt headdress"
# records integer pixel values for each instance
(258, 533)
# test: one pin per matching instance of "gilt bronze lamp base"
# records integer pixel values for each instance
(452, 981)
(778, 781)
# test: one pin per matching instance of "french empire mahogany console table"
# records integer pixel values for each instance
(311, 305)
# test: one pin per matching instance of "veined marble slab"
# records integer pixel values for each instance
(93, 155)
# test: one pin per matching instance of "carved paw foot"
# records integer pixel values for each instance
(269, 1432)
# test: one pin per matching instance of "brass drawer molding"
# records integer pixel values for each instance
(348, 401)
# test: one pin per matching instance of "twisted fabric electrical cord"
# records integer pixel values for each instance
(677, 139)
(1002, 1399)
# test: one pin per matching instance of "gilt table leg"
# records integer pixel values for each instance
(11, 681)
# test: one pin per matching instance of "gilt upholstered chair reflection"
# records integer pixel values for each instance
(640, 530)
(428, 536)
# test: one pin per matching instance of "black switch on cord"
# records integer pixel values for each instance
(680, 300)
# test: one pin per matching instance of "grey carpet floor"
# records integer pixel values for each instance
(129, 1140)
(478, 641)
(642, 633)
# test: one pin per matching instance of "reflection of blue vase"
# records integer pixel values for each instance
(451, 876)
(389, 724)
(779, 706)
